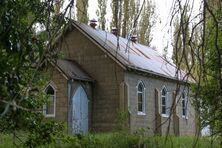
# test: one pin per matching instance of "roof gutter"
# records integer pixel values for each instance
(137, 69)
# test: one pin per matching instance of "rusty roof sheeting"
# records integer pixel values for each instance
(133, 55)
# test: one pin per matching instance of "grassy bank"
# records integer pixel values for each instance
(116, 140)
(6, 140)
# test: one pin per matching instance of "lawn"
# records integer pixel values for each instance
(6, 141)
(116, 140)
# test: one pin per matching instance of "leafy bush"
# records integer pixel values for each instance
(44, 134)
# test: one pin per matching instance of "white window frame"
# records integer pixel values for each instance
(185, 99)
(143, 98)
(54, 97)
(166, 101)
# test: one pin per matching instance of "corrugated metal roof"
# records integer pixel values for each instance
(72, 70)
(133, 55)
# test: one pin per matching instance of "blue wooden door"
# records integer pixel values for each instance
(80, 111)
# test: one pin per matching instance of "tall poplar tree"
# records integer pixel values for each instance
(146, 23)
(182, 55)
(129, 15)
(206, 47)
(82, 13)
(177, 42)
(211, 86)
(124, 18)
(116, 6)
(125, 27)
(132, 12)
(101, 13)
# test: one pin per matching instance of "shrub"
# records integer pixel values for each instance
(43, 134)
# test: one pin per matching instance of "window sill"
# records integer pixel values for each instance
(141, 113)
(184, 117)
(49, 116)
(165, 115)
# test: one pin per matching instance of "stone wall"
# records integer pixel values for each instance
(147, 121)
(60, 83)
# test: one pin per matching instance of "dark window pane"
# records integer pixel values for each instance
(140, 97)
(163, 109)
(49, 90)
(140, 107)
(140, 102)
(140, 87)
(184, 112)
(163, 92)
(183, 103)
(163, 101)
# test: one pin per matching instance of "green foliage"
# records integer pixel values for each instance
(124, 15)
(25, 48)
(122, 121)
(6, 140)
(182, 52)
(180, 142)
(101, 13)
(113, 140)
(209, 92)
(117, 11)
(76, 141)
(198, 51)
(146, 23)
(43, 133)
(82, 7)
(88, 141)
(120, 140)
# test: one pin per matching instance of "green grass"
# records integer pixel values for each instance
(6, 141)
(180, 142)
(117, 140)
(122, 140)
(9, 141)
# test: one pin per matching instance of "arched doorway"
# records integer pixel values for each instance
(80, 111)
